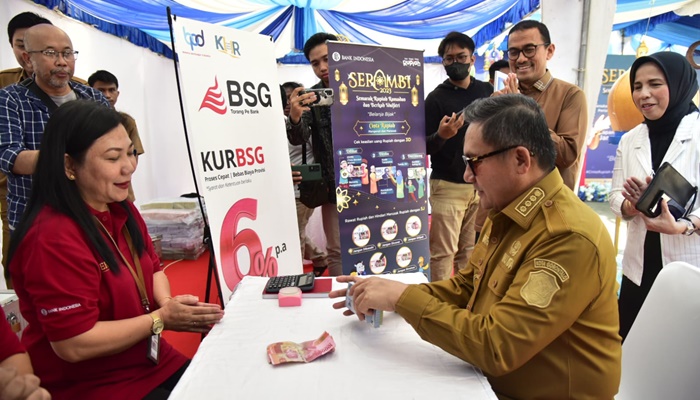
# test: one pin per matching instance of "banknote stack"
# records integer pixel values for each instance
(286, 352)
(374, 317)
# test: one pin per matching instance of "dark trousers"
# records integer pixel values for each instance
(162, 392)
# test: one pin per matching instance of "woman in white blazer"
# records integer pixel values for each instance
(663, 85)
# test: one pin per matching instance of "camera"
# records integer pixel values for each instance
(324, 97)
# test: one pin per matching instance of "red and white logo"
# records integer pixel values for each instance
(214, 99)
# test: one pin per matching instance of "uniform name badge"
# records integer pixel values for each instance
(154, 348)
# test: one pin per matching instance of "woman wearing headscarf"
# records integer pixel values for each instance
(89, 282)
(663, 85)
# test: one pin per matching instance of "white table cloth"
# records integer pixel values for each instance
(390, 362)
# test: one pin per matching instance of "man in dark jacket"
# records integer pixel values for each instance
(305, 122)
(453, 202)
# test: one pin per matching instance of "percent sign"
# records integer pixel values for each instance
(233, 240)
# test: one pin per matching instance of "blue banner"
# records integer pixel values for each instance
(600, 157)
(379, 145)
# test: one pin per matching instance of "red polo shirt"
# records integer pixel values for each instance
(64, 289)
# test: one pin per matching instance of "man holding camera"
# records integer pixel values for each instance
(306, 121)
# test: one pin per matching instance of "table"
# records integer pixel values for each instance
(389, 362)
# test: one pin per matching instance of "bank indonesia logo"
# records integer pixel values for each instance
(214, 99)
(336, 56)
(193, 39)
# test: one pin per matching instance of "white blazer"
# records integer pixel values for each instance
(633, 158)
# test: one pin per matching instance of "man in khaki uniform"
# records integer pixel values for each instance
(536, 308)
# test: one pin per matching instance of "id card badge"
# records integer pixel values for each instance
(154, 348)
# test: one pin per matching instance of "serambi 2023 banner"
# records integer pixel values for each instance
(379, 142)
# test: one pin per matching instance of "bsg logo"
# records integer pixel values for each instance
(193, 39)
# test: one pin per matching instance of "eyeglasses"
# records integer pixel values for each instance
(528, 51)
(68, 55)
(472, 162)
(461, 58)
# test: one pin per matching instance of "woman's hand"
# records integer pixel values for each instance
(665, 222)
(633, 190)
(185, 313)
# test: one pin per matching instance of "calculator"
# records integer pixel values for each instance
(305, 282)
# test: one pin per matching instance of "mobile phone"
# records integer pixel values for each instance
(324, 97)
(499, 81)
(305, 282)
(309, 172)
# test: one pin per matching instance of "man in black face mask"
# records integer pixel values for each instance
(453, 202)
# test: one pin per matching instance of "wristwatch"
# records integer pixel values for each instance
(158, 325)
(690, 229)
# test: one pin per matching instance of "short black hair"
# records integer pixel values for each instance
(291, 85)
(456, 38)
(496, 67)
(529, 24)
(315, 40)
(72, 130)
(514, 120)
(24, 20)
(103, 76)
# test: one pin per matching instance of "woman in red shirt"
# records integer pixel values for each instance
(89, 282)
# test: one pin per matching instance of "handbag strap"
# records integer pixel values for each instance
(691, 203)
(314, 132)
(303, 152)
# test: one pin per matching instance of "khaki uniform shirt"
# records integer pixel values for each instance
(565, 109)
(536, 308)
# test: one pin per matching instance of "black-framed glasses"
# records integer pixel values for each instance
(460, 58)
(68, 55)
(528, 51)
(472, 162)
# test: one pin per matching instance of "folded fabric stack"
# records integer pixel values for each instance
(179, 221)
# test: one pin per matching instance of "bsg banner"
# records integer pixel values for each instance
(236, 124)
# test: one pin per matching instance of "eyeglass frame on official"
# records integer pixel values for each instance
(471, 162)
(68, 55)
(528, 47)
(456, 59)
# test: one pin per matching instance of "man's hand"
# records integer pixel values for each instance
(511, 86)
(298, 103)
(296, 176)
(450, 125)
(369, 294)
(20, 387)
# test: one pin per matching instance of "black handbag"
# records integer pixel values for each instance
(312, 193)
(669, 182)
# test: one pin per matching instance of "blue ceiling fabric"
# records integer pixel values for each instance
(668, 27)
(641, 26)
(144, 22)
